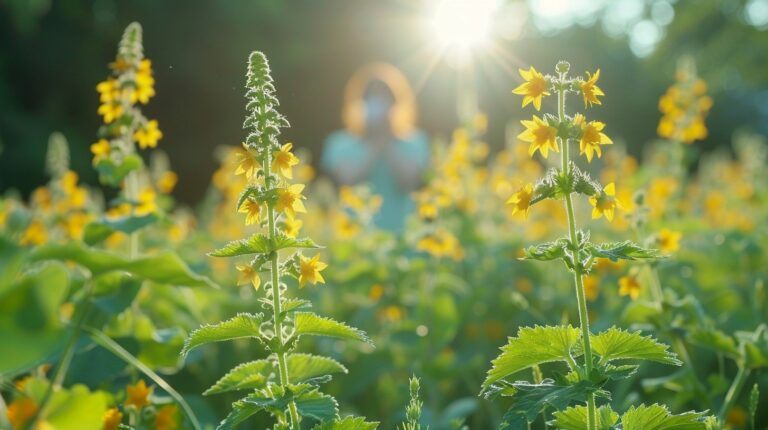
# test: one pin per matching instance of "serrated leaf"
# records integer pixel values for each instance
(547, 251)
(626, 250)
(307, 323)
(317, 405)
(575, 418)
(532, 346)
(302, 367)
(261, 244)
(347, 423)
(97, 232)
(292, 305)
(657, 417)
(249, 375)
(616, 344)
(241, 326)
(530, 400)
(240, 412)
(163, 268)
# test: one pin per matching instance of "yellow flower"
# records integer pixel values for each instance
(112, 418)
(138, 395)
(376, 291)
(246, 162)
(309, 270)
(291, 226)
(148, 135)
(35, 234)
(346, 228)
(289, 200)
(629, 286)
(100, 150)
(248, 275)
(109, 90)
(605, 203)
(167, 418)
(146, 204)
(167, 182)
(110, 111)
(534, 87)
(20, 411)
(283, 161)
(668, 240)
(591, 137)
(521, 200)
(590, 90)
(144, 83)
(119, 211)
(252, 208)
(540, 135)
(74, 224)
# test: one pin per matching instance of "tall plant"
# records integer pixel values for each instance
(286, 383)
(591, 360)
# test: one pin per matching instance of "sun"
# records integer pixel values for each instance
(463, 24)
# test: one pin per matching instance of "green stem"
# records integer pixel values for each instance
(578, 281)
(733, 391)
(276, 305)
(132, 194)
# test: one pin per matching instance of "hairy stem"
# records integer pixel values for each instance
(577, 276)
(276, 305)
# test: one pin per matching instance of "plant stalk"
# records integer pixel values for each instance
(276, 305)
(577, 276)
(733, 392)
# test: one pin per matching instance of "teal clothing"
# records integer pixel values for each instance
(342, 148)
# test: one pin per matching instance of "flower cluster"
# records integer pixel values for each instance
(544, 134)
(129, 85)
(139, 408)
(685, 106)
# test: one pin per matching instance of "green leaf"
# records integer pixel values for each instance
(241, 326)
(657, 417)
(616, 344)
(308, 323)
(76, 409)
(98, 231)
(532, 346)
(547, 251)
(347, 423)
(111, 173)
(575, 418)
(249, 375)
(302, 367)
(261, 244)
(626, 250)
(163, 268)
(292, 305)
(530, 400)
(317, 405)
(715, 339)
(241, 411)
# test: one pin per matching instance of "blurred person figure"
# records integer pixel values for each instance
(379, 144)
